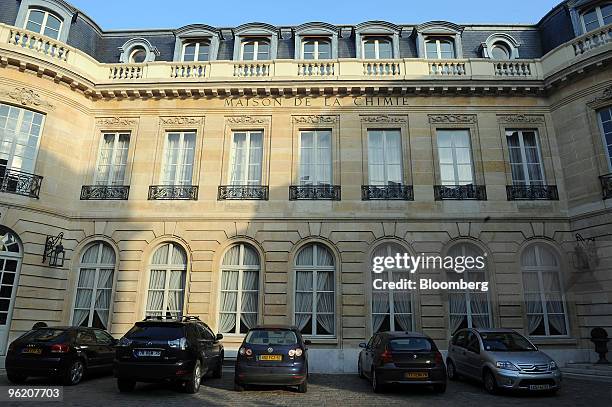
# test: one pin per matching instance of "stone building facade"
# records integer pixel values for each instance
(250, 174)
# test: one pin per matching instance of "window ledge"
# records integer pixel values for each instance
(554, 341)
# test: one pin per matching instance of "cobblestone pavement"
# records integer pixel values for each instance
(323, 390)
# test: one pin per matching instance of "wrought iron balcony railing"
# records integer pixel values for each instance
(460, 192)
(314, 192)
(606, 185)
(387, 193)
(532, 193)
(19, 182)
(243, 192)
(105, 192)
(173, 193)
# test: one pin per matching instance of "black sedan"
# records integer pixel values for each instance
(64, 352)
(272, 355)
(405, 358)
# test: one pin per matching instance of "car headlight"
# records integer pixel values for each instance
(553, 365)
(506, 365)
(124, 342)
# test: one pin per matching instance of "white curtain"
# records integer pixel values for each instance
(229, 301)
(251, 258)
(103, 295)
(255, 157)
(479, 305)
(232, 256)
(533, 301)
(238, 170)
(457, 310)
(554, 302)
(179, 257)
(325, 301)
(84, 295)
(403, 310)
(325, 257)
(380, 308)
(176, 289)
(303, 299)
(91, 255)
(306, 256)
(155, 300)
(248, 313)
(161, 254)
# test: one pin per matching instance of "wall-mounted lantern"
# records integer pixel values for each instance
(585, 254)
(54, 251)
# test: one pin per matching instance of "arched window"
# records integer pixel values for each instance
(597, 17)
(94, 286)
(256, 49)
(500, 51)
(316, 48)
(377, 48)
(391, 309)
(439, 48)
(138, 55)
(544, 299)
(44, 22)
(239, 289)
(468, 309)
(196, 51)
(315, 291)
(10, 265)
(167, 281)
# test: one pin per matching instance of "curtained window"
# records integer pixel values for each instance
(94, 286)
(179, 159)
(112, 160)
(468, 309)
(315, 291)
(168, 271)
(384, 157)
(247, 155)
(525, 157)
(605, 123)
(239, 290)
(391, 309)
(10, 265)
(315, 157)
(544, 299)
(20, 132)
(455, 157)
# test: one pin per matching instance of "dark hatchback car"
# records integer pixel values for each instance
(272, 355)
(406, 358)
(160, 349)
(64, 352)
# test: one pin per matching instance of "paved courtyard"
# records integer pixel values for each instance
(324, 390)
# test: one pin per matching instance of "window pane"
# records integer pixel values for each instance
(606, 12)
(432, 49)
(248, 51)
(447, 50)
(324, 50)
(500, 52)
(263, 52)
(591, 22)
(385, 50)
(203, 52)
(369, 50)
(190, 52)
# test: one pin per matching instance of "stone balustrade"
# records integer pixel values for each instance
(592, 40)
(38, 43)
(382, 68)
(250, 69)
(513, 69)
(447, 68)
(126, 71)
(316, 68)
(189, 70)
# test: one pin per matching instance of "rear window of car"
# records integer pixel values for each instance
(271, 337)
(410, 344)
(167, 332)
(48, 335)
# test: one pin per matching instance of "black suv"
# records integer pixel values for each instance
(160, 349)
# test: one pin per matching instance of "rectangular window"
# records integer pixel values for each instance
(315, 157)
(20, 132)
(247, 155)
(384, 157)
(196, 51)
(179, 159)
(439, 48)
(605, 123)
(112, 159)
(455, 157)
(525, 157)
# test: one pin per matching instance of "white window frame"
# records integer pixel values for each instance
(315, 269)
(240, 268)
(198, 44)
(437, 41)
(377, 41)
(540, 269)
(247, 155)
(316, 41)
(385, 159)
(256, 42)
(133, 52)
(11, 154)
(453, 149)
(181, 159)
(520, 132)
(43, 25)
(315, 162)
(112, 164)
(167, 268)
(599, 14)
(603, 135)
(98, 265)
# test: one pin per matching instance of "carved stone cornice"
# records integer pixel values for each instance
(452, 118)
(383, 119)
(180, 121)
(520, 118)
(116, 121)
(247, 119)
(314, 119)
(605, 96)
(27, 97)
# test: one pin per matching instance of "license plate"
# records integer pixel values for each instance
(32, 351)
(147, 353)
(539, 387)
(417, 375)
(271, 357)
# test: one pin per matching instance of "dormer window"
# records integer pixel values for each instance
(316, 48)
(377, 48)
(597, 17)
(439, 48)
(255, 49)
(500, 51)
(137, 51)
(138, 55)
(44, 22)
(196, 51)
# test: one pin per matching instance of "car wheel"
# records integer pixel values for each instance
(125, 386)
(376, 385)
(218, 372)
(360, 369)
(489, 382)
(440, 388)
(75, 372)
(193, 385)
(16, 378)
(238, 387)
(303, 387)
(451, 371)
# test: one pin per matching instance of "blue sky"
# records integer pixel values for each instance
(121, 14)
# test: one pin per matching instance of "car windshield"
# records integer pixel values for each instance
(271, 337)
(160, 332)
(47, 335)
(505, 342)
(410, 344)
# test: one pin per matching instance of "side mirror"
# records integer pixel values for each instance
(307, 342)
(219, 337)
(363, 345)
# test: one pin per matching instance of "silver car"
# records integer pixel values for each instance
(501, 359)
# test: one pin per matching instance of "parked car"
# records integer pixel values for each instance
(163, 349)
(65, 352)
(501, 359)
(272, 355)
(406, 358)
